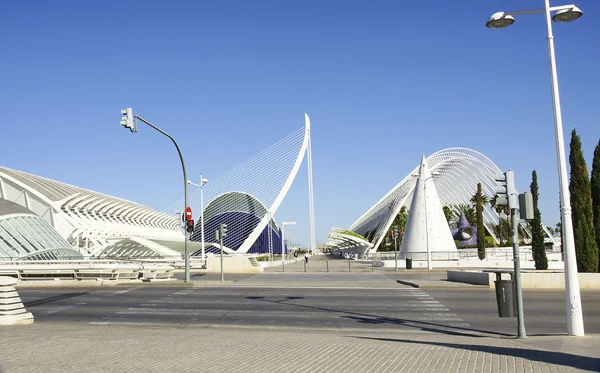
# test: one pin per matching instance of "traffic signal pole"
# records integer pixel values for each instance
(517, 264)
(129, 123)
(221, 242)
(507, 196)
(219, 235)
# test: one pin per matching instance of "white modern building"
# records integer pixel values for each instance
(90, 222)
(36, 211)
(427, 228)
(457, 172)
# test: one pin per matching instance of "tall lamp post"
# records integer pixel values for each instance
(565, 13)
(435, 173)
(129, 120)
(201, 185)
(283, 224)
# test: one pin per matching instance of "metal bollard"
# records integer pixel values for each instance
(328, 266)
(349, 267)
(305, 266)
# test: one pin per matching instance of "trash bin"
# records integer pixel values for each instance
(505, 297)
(408, 263)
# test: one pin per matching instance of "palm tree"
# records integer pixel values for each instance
(468, 211)
(484, 199)
(501, 209)
(400, 222)
(450, 215)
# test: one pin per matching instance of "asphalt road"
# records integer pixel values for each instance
(470, 312)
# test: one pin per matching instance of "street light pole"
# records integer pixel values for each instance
(201, 185)
(565, 13)
(202, 214)
(128, 121)
(573, 296)
(283, 224)
(429, 266)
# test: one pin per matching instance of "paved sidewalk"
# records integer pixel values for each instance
(62, 348)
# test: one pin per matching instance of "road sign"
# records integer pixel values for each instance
(188, 213)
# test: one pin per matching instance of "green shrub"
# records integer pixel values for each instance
(490, 242)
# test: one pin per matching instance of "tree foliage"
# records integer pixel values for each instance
(538, 247)
(595, 186)
(479, 201)
(586, 248)
(504, 232)
(468, 211)
(450, 215)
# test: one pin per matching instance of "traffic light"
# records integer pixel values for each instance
(128, 121)
(507, 194)
(189, 226)
(396, 232)
(223, 230)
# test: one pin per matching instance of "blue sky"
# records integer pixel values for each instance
(383, 82)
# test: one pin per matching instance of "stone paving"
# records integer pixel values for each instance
(135, 348)
(125, 344)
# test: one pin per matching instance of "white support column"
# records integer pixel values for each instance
(311, 202)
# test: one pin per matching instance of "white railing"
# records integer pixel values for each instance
(463, 254)
(25, 270)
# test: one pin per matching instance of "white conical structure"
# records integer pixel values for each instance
(427, 225)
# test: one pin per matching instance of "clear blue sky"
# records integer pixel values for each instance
(383, 82)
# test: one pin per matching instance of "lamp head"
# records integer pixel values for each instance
(204, 181)
(500, 20)
(567, 15)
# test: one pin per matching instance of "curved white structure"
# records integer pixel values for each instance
(24, 235)
(460, 169)
(427, 228)
(89, 221)
(248, 197)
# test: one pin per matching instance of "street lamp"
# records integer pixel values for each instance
(565, 13)
(435, 173)
(283, 224)
(201, 185)
(129, 120)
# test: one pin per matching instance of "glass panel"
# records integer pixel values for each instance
(29, 226)
(25, 237)
(19, 240)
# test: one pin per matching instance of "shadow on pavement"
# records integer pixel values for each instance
(37, 302)
(374, 319)
(550, 357)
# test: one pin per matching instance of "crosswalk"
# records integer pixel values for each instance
(390, 310)
(44, 304)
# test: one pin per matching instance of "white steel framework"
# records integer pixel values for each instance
(460, 169)
(87, 220)
(248, 197)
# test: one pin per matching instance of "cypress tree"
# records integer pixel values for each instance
(586, 249)
(480, 227)
(595, 185)
(538, 247)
